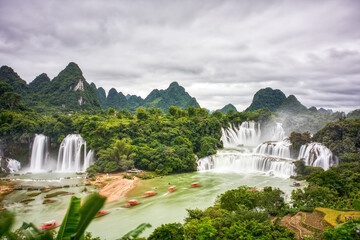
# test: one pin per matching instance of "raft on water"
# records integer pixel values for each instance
(149, 193)
(131, 203)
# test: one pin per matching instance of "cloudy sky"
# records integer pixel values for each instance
(220, 51)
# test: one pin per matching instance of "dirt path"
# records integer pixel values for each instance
(114, 186)
(304, 224)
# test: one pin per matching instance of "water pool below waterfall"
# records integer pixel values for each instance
(160, 209)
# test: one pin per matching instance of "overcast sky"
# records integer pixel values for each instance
(220, 51)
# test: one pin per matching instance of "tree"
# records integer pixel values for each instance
(120, 154)
(141, 114)
(171, 231)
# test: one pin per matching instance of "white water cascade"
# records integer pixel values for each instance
(317, 155)
(232, 161)
(13, 165)
(72, 155)
(39, 153)
(272, 158)
(276, 149)
(248, 134)
(278, 133)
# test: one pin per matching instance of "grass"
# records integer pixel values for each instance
(334, 217)
(109, 179)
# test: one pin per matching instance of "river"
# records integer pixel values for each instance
(159, 209)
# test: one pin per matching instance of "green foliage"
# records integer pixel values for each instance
(342, 138)
(297, 140)
(305, 172)
(6, 221)
(133, 234)
(79, 217)
(200, 229)
(171, 231)
(347, 231)
(71, 220)
(120, 156)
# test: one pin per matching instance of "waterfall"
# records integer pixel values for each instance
(275, 149)
(39, 153)
(90, 159)
(232, 161)
(317, 155)
(278, 133)
(13, 165)
(72, 155)
(248, 134)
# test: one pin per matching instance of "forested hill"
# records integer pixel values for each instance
(267, 98)
(227, 108)
(69, 91)
(174, 95)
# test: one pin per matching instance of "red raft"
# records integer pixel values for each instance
(48, 225)
(131, 203)
(101, 213)
(195, 184)
(149, 193)
(171, 189)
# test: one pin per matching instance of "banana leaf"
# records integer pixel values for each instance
(71, 220)
(6, 220)
(135, 232)
(87, 212)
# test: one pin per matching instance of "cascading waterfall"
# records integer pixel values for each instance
(39, 153)
(317, 155)
(13, 165)
(278, 133)
(272, 158)
(275, 149)
(90, 159)
(232, 161)
(248, 134)
(72, 155)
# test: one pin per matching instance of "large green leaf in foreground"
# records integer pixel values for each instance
(71, 220)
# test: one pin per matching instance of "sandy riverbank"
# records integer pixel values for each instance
(114, 186)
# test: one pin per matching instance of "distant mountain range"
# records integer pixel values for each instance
(69, 91)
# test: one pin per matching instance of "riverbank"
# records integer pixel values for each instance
(6, 187)
(113, 186)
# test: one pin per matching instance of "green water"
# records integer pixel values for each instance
(159, 209)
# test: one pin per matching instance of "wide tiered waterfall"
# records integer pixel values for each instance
(273, 156)
(72, 155)
(279, 149)
(233, 161)
(39, 153)
(248, 134)
(317, 155)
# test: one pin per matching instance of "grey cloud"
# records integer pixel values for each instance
(220, 51)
